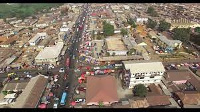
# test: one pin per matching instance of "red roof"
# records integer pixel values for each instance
(101, 88)
(93, 14)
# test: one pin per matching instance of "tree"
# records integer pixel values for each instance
(124, 32)
(163, 26)
(131, 51)
(107, 54)
(93, 35)
(108, 29)
(131, 22)
(151, 24)
(100, 104)
(182, 34)
(113, 54)
(197, 29)
(140, 90)
(151, 11)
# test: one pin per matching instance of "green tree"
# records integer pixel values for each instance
(182, 34)
(113, 54)
(151, 11)
(131, 51)
(100, 104)
(124, 32)
(164, 26)
(140, 90)
(107, 54)
(108, 29)
(151, 24)
(131, 22)
(197, 29)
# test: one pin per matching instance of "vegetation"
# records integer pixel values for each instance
(107, 54)
(195, 38)
(131, 22)
(151, 11)
(24, 10)
(124, 32)
(93, 35)
(197, 29)
(108, 29)
(64, 11)
(131, 51)
(4, 92)
(100, 104)
(151, 24)
(164, 26)
(182, 34)
(140, 90)
(113, 54)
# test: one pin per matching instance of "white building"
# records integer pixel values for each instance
(142, 72)
(49, 55)
(37, 38)
(42, 25)
(141, 20)
(64, 28)
(126, 7)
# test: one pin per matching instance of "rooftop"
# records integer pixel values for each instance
(101, 88)
(50, 52)
(139, 66)
(32, 93)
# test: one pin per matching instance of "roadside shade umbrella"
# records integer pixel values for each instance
(42, 106)
(73, 103)
(80, 81)
(50, 94)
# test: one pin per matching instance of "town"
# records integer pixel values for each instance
(100, 55)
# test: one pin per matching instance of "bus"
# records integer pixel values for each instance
(63, 99)
(67, 62)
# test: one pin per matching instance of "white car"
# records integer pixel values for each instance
(80, 100)
(56, 101)
(61, 70)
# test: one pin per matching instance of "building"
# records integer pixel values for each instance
(141, 20)
(188, 99)
(142, 72)
(101, 89)
(168, 45)
(49, 55)
(32, 93)
(37, 38)
(115, 46)
(64, 28)
(183, 23)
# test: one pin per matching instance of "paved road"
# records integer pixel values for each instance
(72, 79)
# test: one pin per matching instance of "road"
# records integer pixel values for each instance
(72, 79)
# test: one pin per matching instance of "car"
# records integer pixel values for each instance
(77, 91)
(56, 101)
(79, 100)
(67, 85)
(61, 70)
(82, 89)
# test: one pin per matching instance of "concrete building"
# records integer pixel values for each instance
(168, 45)
(183, 23)
(49, 55)
(37, 38)
(142, 72)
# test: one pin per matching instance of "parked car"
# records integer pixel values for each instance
(67, 86)
(61, 70)
(82, 89)
(56, 101)
(80, 100)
